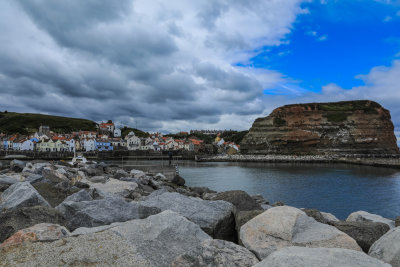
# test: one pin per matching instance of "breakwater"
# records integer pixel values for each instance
(392, 161)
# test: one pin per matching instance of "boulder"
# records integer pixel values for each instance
(242, 217)
(120, 173)
(214, 217)
(82, 195)
(53, 176)
(362, 216)
(240, 199)
(14, 220)
(365, 233)
(201, 190)
(34, 178)
(260, 199)
(17, 165)
(102, 211)
(397, 221)
(54, 194)
(316, 257)
(100, 249)
(20, 195)
(39, 232)
(178, 180)
(116, 187)
(8, 180)
(214, 252)
(286, 226)
(321, 217)
(137, 173)
(387, 248)
(161, 238)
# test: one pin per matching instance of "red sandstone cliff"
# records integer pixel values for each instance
(350, 127)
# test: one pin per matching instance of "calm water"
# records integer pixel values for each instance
(338, 189)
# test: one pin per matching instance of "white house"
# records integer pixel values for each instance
(27, 145)
(117, 132)
(132, 141)
(71, 144)
(89, 145)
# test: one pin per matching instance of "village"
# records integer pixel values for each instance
(108, 137)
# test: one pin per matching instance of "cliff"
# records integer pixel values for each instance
(350, 127)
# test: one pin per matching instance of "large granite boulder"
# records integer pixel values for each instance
(102, 212)
(365, 233)
(317, 257)
(214, 217)
(116, 187)
(387, 248)
(100, 249)
(286, 226)
(14, 220)
(363, 216)
(39, 232)
(214, 252)
(19, 195)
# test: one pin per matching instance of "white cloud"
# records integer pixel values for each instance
(387, 19)
(165, 65)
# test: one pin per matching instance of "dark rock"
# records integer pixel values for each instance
(178, 180)
(82, 195)
(260, 199)
(34, 178)
(316, 215)
(397, 221)
(365, 233)
(278, 204)
(14, 220)
(242, 217)
(55, 193)
(98, 179)
(240, 199)
(19, 195)
(102, 212)
(17, 165)
(201, 190)
(81, 185)
(121, 173)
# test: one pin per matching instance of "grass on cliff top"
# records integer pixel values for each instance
(367, 106)
(27, 123)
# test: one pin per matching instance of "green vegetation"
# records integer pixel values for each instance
(279, 122)
(368, 107)
(126, 130)
(208, 139)
(234, 136)
(336, 116)
(27, 123)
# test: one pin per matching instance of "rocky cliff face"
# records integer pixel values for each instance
(350, 127)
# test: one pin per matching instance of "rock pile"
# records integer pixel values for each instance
(53, 214)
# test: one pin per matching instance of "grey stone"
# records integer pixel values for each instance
(240, 199)
(214, 217)
(397, 221)
(101, 249)
(116, 187)
(14, 220)
(286, 226)
(17, 165)
(178, 180)
(161, 238)
(34, 178)
(266, 206)
(365, 233)
(362, 216)
(101, 212)
(137, 173)
(6, 180)
(213, 252)
(242, 217)
(317, 257)
(387, 248)
(20, 195)
(260, 199)
(120, 173)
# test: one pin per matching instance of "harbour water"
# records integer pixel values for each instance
(335, 188)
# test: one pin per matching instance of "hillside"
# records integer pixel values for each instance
(349, 127)
(26, 123)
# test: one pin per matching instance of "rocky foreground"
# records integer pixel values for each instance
(54, 214)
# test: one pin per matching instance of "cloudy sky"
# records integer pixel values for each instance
(179, 64)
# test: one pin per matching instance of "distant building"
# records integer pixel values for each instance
(44, 129)
(107, 126)
(117, 132)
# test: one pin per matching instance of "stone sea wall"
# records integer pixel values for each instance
(95, 214)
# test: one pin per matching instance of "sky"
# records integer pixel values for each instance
(178, 65)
